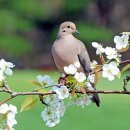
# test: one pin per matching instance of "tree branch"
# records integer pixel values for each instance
(7, 89)
(15, 94)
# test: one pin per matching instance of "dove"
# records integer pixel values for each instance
(67, 50)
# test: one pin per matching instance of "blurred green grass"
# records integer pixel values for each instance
(113, 114)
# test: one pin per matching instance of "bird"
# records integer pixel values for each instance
(67, 50)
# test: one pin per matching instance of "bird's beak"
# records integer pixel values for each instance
(77, 32)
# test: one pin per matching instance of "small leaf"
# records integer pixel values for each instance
(4, 116)
(70, 79)
(118, 75)
(1, 84)
(125, 68)
(97, 76)
(29, 102)
(36, 83)
(42, 90)
(97, 67)
(123, 49)
(102, 59)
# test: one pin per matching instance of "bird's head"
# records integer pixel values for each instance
(67, 28)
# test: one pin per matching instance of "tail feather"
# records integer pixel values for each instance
(96, 99)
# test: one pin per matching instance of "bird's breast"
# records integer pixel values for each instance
(64, 53)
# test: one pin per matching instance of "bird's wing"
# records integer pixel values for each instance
(84, 59)
(85, 62)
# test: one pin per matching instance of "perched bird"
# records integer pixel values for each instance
(68, 50)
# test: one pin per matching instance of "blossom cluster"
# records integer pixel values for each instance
(44, 80)
(111, 66)
(55, 106)
(8, 112)
(72, 70)
(54, 110)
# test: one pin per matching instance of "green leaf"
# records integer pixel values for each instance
(1, 84)
(81, 84)
(125, 68)
(102, 60)
(36, 83)
(29, 102)
(97, 76)
(4, 116)
(70, 79)
(118, 75)
(42, 90)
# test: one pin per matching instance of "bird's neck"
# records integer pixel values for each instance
(64, 36)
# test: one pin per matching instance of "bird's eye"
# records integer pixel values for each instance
(63, 30)
(68, 26)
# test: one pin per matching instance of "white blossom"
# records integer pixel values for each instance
(87, 99)
(52, 114)
(11, 122)
(10, 116)
(44, 79)
(77, 64)
(91, 78)
(121, 41)
(60, 108)
(52, 122)
(51, 99)
(99, 48)
(93, 64)
(90, 88)
(40, 78)
(110, 70)
(10, 110)
(79, 100)
(80, 76)
(4, 108)
(62, 92)
(71, 69)
(111, 53)
(47, 114)
(1, 75)
(88, 84)
(6, 67)
(13, 109)
(83, 100)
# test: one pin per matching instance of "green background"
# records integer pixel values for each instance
(113, 113)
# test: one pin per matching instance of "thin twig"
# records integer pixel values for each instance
(125, 61)
(99, 70)
(7, 99)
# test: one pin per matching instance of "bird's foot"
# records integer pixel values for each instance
(62, 79)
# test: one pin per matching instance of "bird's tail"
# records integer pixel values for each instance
(96, 99)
